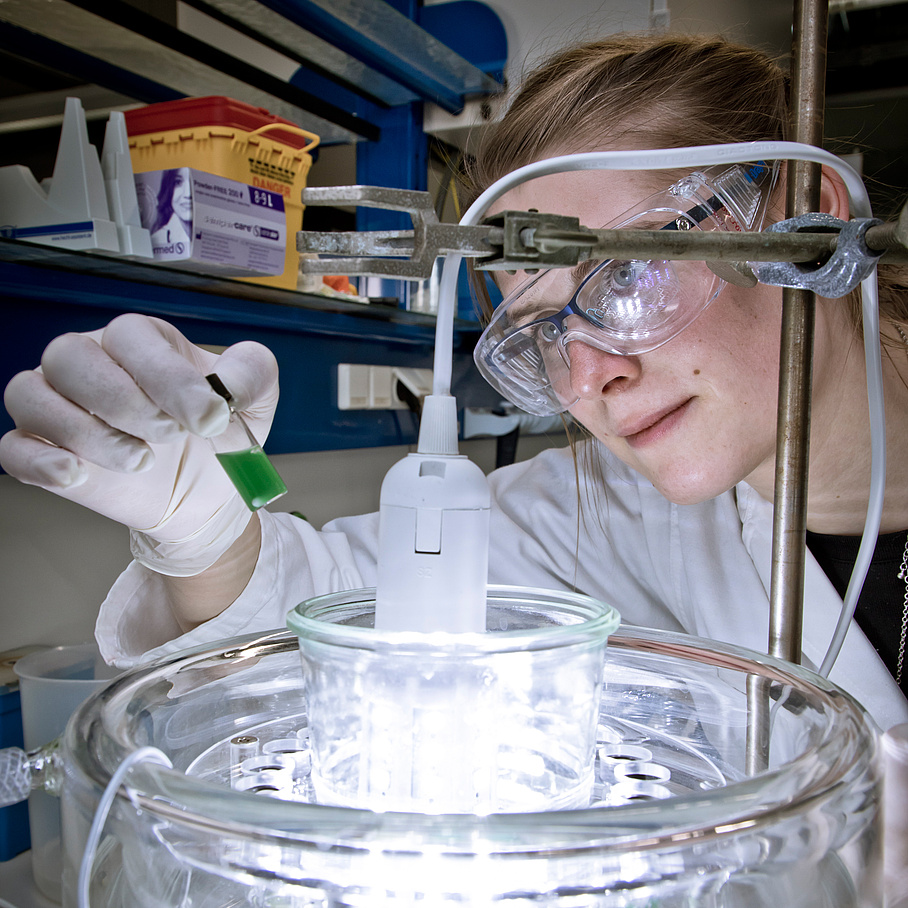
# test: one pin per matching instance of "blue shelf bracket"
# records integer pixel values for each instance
(387, 37)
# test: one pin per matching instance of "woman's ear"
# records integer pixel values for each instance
(833, 195)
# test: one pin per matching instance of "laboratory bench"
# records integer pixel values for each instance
(17, 887)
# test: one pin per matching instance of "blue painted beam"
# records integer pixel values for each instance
(314, 55)
(154, 30)
(31, 46)
(471, 29)
(381, 37)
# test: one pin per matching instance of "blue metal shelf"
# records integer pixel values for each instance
(366, 66)
(48, 292)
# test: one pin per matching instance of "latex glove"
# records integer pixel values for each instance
(116, 420)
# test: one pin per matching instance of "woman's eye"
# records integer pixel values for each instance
(626, 274)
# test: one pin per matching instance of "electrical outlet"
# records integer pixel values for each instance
(361, 387)
(366, 388)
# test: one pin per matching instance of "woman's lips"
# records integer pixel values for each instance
(655, 426)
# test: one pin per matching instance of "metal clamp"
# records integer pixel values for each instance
(813, 251)
(408, 254)
(850, 262)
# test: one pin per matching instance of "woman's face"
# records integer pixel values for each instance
(698, 414)
(182, 196)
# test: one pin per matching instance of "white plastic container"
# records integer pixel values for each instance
(52, 683)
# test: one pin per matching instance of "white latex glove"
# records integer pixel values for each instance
(116, 420)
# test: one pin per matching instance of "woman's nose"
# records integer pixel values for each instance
(595, 372)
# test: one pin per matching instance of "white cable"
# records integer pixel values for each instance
(151, 754)
(701, 156)
(873, 356)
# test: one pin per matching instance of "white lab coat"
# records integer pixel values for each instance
(701, 569)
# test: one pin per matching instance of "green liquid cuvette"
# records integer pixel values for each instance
(254, 476)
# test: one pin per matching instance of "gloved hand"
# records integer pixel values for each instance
(116, 420)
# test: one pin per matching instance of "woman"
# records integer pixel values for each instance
(173, 213)
(673, 520)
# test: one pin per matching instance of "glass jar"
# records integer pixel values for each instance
(455, 722)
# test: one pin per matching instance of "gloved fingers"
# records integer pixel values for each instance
(37, 462)
(169, 369)
(78, 368)
(38, 410)
(123, 497)
(249, 372)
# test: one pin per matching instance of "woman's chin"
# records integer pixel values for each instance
(691, 487)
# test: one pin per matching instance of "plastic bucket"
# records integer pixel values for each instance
(52, 683)
(234, 140)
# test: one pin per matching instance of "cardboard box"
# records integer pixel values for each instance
(211, 224)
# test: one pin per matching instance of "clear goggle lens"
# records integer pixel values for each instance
(630, 299)
(624, 307)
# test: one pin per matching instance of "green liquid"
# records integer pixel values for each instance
(254, 476)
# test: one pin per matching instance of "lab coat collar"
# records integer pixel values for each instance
(872, 685)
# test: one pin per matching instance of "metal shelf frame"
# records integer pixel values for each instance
(365, 69)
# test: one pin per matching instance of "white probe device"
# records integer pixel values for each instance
(433, 551)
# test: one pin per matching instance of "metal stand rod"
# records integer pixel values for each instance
(756, 755)
(792, 456)
(786, 594)
(798, 311)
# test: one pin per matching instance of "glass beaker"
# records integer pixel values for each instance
(805, 832)
(455, 722)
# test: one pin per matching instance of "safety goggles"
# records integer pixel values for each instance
(618, 306)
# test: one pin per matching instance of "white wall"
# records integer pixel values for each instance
(57, 560)
(538, 28)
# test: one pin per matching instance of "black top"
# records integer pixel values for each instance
(882, 600)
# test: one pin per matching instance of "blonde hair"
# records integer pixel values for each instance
(648, 91)
(660, 91)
